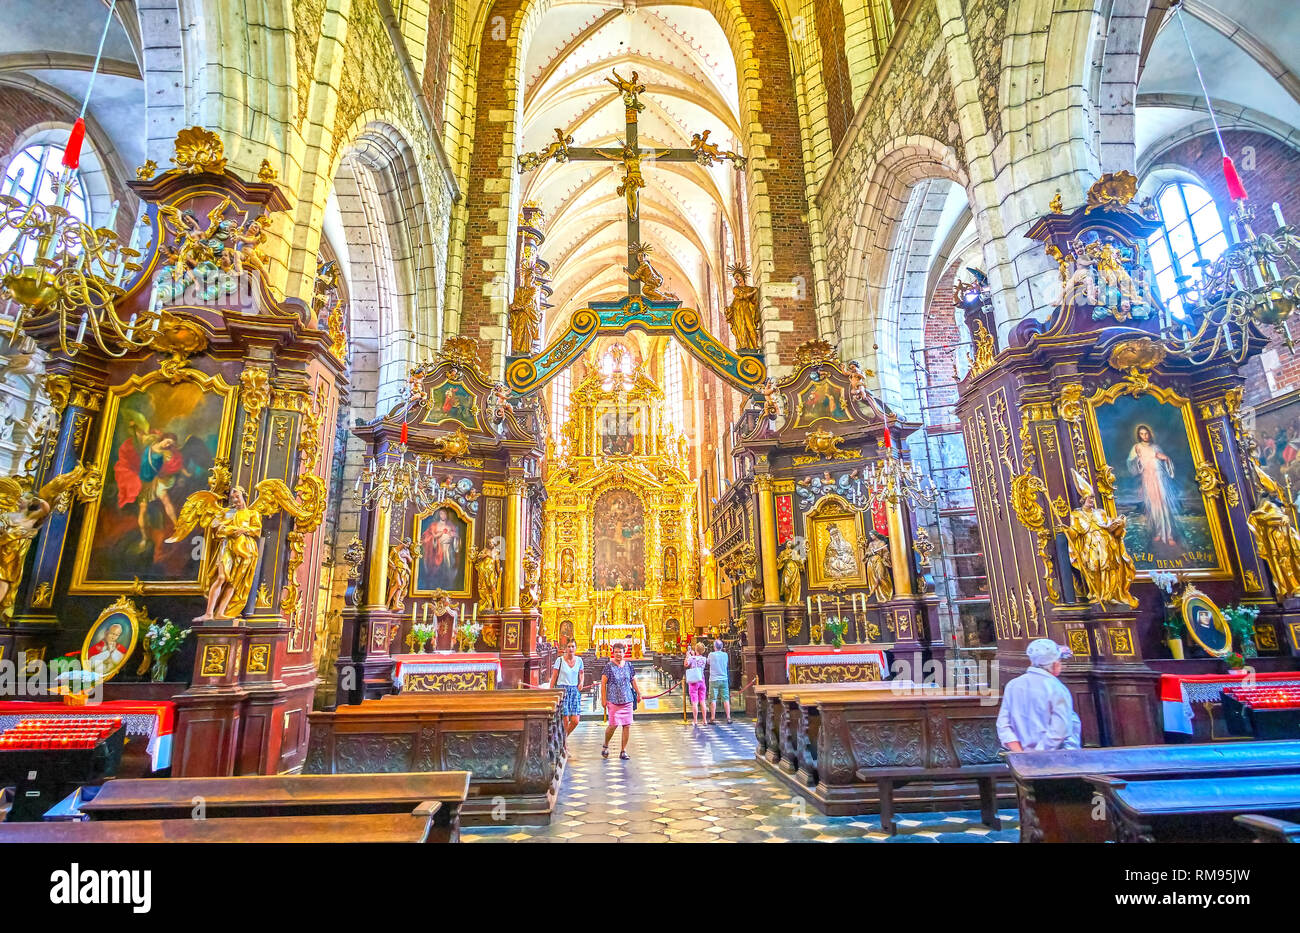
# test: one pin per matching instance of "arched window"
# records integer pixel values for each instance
(29, 177)
(560, 402)
(673, 384)
(1193, 234)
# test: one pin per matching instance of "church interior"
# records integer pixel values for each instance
(885, 412)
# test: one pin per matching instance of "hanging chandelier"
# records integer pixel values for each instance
(1254, 283)
(890, 480)
(397, 479)
(59, 269)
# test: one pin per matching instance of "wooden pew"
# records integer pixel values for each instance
(284, 795)
(768, 709)
(1056, 802)
(511, 740)
(861, 750)
(418, 825)
(1267, 829)
(1196, 809)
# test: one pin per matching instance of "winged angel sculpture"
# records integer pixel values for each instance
(236, 529)
(22, 513)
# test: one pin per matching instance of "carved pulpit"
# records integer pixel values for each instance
(1099, 457)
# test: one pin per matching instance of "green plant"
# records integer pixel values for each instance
(1235, 661)
(162, 640)
(1241, 621)
(835, 628)
(1174, 625)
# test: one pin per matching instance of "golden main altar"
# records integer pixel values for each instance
(619, 527)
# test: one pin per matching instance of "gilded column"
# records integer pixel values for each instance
(512, 575)
(767, 536)
(377, 581)
(899, 558)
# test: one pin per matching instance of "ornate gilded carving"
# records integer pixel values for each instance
(198, 150)
(825, 445)
(1273, 529)
(1026, 488)
(22, 513)
(1114, 190)
(266, 173)
(985, 352)
(253, 396)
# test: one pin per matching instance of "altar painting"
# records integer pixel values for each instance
(1145, 441)
(452, 401)
(618, 431)
(834, 554)
(159, 444)
(1277, 431)
(442, 537)
(821, 400)
(618, 521)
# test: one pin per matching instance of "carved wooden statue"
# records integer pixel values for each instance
(652, 281)
(525, 313)
(743, 313)
(487, 565)
(880, 576)
(791, 562)
(1097, 550)
(399, 575)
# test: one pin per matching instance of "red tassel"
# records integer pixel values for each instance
(889, 442)
(403, 432)
(1236, 190)
(72, 152)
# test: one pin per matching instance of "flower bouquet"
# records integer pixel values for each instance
(467, 635)
(1241, 620)
(421, 634)
(161, 642)
(835, 629)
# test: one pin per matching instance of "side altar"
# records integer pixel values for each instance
(816, 535)
(449, 549)
(1115, 478)
(619, 528)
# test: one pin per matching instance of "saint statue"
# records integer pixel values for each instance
(743, 312)
(838, 560)
(525, 313)
(399, 575)
(880, 575)
(1097, 551)
(1275, 536)
(791, 562)
(487, 563)
(22, 513)
(566, 566)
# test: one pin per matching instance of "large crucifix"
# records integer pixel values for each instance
(643, 279)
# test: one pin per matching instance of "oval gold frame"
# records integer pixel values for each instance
(1191, 595)
(138, 619)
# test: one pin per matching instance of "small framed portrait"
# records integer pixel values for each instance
(1204, 623)
(111, 639)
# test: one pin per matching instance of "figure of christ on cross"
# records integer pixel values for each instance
(630, 155)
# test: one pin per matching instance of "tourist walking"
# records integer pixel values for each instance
(1037, 711)
(569, 676)
(719, 681)
(618, 687)
(693, 665)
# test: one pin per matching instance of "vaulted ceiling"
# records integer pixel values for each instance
(687, 211)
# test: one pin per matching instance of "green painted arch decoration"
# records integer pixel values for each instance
(530, 373)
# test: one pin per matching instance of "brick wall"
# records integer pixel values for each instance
(1272, 178)
(437, 56)
(783, 178)
(835, 68)
(941, 332)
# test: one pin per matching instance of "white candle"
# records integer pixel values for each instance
(81, 331)
(414, 609)
(13, 184)
(112, 214)
(820, 610)
(426, 612)
(130, 328)
(475, 612)
(1277, 214)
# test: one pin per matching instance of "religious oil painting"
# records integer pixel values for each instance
(1204, 623)
(1277, 431)
(111, 639)
(619, 527)
(833, 555)
(452, 401)
(821, 401)
(1146, 444)
(618, 431)
(442, 536)
(159, 445)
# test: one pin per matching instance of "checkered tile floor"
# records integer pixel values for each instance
(688, 784)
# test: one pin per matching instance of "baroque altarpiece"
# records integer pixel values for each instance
(196, 430)
(800, 537)
(1099, 457)
(620, 520)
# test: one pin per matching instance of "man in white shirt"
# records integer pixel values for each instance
(719, 681)
(1037, 711)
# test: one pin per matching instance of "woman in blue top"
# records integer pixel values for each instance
(619, 692)
(569, 675)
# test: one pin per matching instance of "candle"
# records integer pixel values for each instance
(81, 331)
(414, 609)
(13, 185)
(809, 598)
(130, 328)
(475, 619)
(426, 612)
(820, 610)
(1277, 214)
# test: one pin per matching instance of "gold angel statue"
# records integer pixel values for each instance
(707, 153)
(629, 89)
(487, 564)
(22, 513)
(1097, 551)
(743, 313)
(236, 529)
(1274, 533)
(791, 562)
(558, 150)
